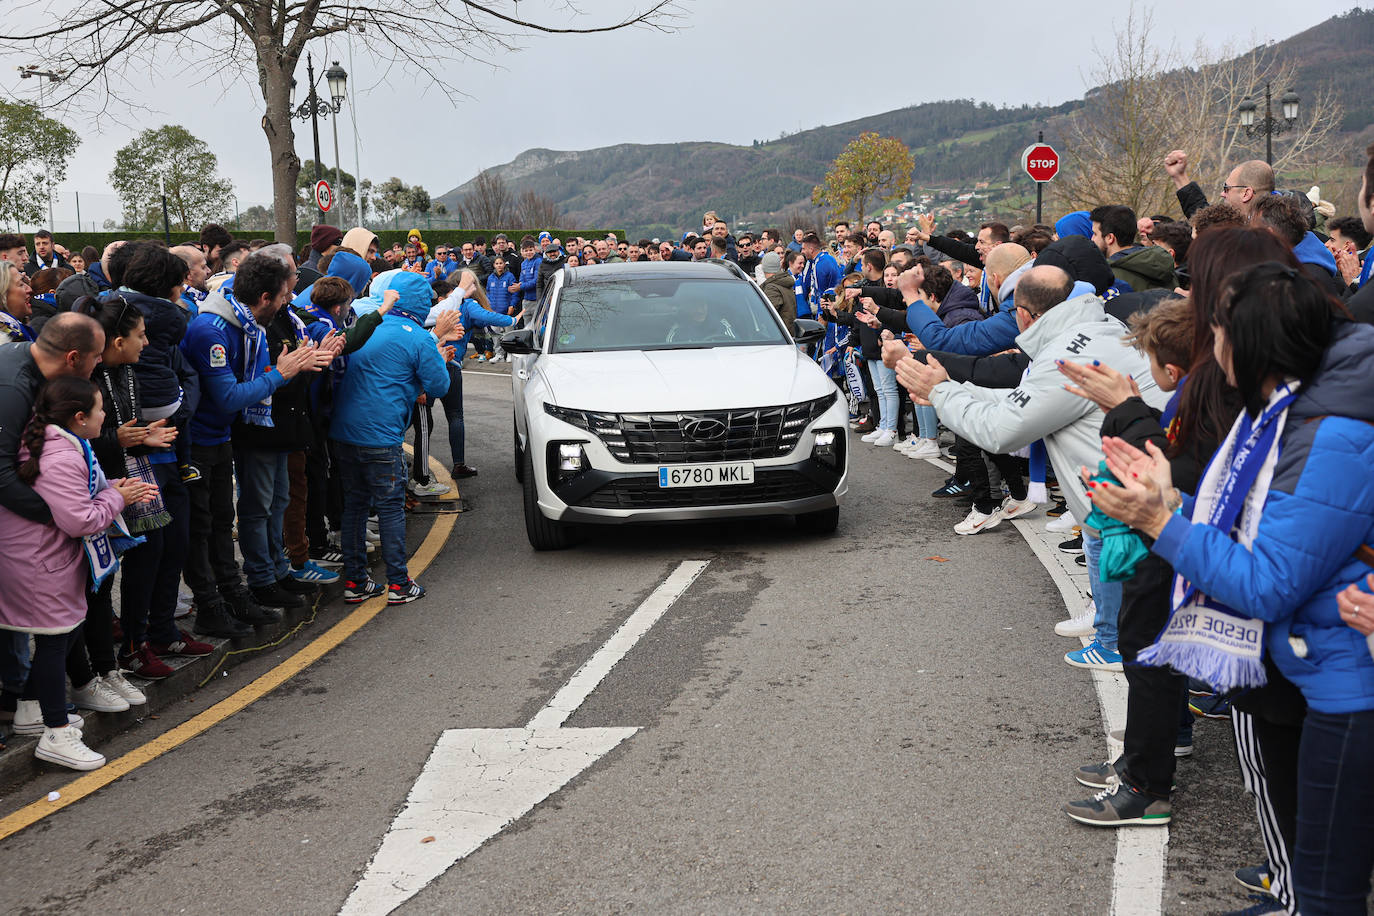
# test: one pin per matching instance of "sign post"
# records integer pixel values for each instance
(324, 195)
(1041, 163)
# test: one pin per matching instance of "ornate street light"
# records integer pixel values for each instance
(1268, 125)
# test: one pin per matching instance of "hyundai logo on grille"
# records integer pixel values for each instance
(702, 429)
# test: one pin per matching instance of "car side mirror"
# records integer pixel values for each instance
(808, 331)
(519, 342)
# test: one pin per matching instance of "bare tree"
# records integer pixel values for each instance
(1149, 101)
(488, 203)
(534, 211)
(102, 42)
(807, 219)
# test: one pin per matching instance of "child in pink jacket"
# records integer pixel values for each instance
(46, 568)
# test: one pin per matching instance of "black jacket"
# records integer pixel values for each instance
(292, 429)
(19, 384)
(33, 267)
(165, 323)
(547, 269)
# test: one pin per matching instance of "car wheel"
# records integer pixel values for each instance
(822, 522)
(544, 533)
(519, 453)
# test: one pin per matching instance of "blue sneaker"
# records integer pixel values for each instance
(1095, 656)
(1255, 878)
(314, 574)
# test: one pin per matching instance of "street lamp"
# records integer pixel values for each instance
(53, 76)
(315, 108)
(1268, 125)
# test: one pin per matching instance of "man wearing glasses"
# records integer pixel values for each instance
(744, 252)
(1242, 189)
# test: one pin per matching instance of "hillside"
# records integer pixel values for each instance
(656, 188)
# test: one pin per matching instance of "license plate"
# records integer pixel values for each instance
(706, 475)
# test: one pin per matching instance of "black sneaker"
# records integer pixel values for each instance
(1081, 560)
(274, 596)
(1120, 805)
(952, 489)
(1058, 509)
(242, 605)
(404, 594)
(213, 618)
(329, 556)
(1072, 545)
(293, 586)
(358, 592)
(189, 473)
(1255, 878)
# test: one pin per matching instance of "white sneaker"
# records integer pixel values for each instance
(873, 436)
(28, 718)
(886, 439)
(904, 444)
(433, 488)
(131, 694)
(64, 747)
(1082, 625)
(1015, 508)
(373, 538)
(99, 697)
(184, 606)
(1061, 525)
(977, 522)
(925, 448)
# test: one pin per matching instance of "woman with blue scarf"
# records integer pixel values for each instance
(1267, 551)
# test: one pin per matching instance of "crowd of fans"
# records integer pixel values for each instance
(1186, 394)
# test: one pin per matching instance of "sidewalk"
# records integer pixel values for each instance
(17, 762)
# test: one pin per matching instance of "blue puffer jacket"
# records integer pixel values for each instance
(165, 323)
(529, 277)
(502, 300)
(1319, 511)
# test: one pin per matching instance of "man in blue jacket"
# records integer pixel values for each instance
(528, 286)
(822, 273)
(399, 362)
(227, 347)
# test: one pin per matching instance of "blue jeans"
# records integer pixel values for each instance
(1335, 850)
(927, 422)
(373, 477)
(264, 493)
(885, 383)
(1106, 595)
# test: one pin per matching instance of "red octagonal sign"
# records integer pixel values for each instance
(1040, 161)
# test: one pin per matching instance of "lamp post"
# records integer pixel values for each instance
(315, 107)
(337, 78)
(1269, 125)
(53, 76)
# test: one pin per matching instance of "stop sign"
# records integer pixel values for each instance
(1040, 161)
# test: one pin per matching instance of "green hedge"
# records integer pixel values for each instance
(75, 241)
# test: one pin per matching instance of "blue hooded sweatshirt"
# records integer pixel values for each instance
(499, 295)
(1076, 223)
(1311, 251)
(993, 334)
(399, 362)
(348, 267)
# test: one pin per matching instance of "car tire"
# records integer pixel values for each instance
(822, 522)
(519, 453)
(544, 533)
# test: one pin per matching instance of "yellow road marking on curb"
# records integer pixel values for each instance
(331, 639)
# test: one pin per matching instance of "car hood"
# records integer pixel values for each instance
(638, 381)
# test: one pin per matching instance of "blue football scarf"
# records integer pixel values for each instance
(259, 414)
(16, 329)
(102, 550)
(1204, 638)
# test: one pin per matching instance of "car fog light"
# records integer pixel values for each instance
(825, 443)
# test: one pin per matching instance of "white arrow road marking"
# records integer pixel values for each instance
(478, 781)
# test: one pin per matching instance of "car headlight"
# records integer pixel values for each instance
(828, 449)
(571, 458)
(566, 460)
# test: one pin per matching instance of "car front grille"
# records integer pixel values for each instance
(645, 493)
(711, 435)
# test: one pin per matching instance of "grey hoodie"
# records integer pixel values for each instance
(1002, 421)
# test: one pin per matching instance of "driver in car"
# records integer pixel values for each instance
(697, 325)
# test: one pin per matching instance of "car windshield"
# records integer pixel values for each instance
(662, 314)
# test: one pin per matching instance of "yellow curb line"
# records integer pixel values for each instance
(331, 639)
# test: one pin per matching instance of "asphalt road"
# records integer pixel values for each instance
(836, 724)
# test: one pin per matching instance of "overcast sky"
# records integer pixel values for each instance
(735, 70)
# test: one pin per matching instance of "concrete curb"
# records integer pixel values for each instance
(17, 761)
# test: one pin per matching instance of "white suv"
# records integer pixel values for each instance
(662, 391)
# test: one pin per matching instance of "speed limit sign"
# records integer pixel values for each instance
(324, 195)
